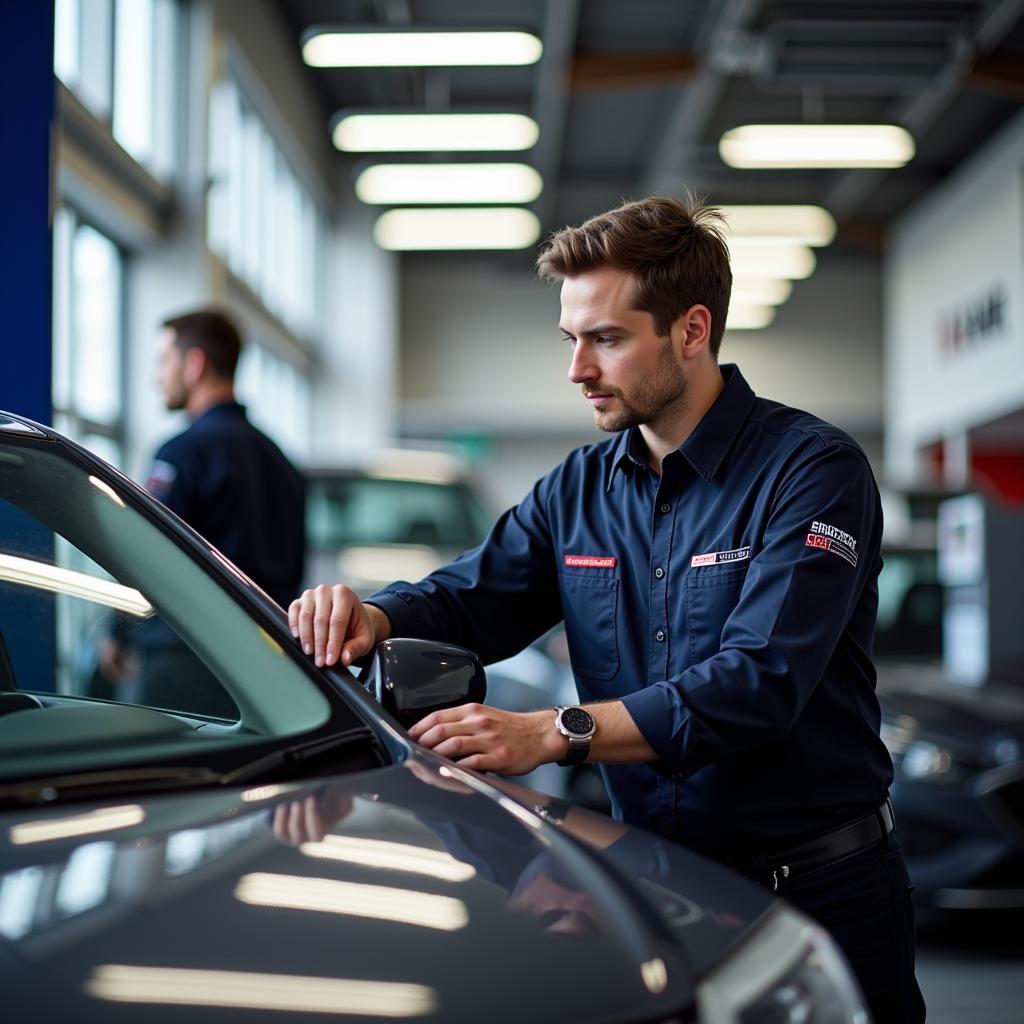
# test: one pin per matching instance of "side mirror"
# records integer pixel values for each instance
(412, 678)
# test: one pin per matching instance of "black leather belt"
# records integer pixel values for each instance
(838, 843)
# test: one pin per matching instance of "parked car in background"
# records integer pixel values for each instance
(300, 855)
(958, 751)
(399, 514)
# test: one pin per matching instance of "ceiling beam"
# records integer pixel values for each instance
(1000, 73)
(668, 167)
(921, 113)
(551, 100)
(601, 71)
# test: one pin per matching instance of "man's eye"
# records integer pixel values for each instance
(604, 340)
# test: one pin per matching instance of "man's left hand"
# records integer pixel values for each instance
(491, 740)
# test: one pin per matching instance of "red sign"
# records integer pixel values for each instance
(590, 561)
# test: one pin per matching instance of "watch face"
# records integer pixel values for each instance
(577, 721)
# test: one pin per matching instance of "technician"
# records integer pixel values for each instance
(716, 566)
(229, 482)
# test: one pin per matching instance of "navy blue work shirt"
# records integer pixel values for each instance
(234, 486)
(729, 603)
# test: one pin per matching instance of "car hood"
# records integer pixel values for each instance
(412, 891)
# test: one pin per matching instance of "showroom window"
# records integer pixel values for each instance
(261, 220)
(88, 336)
(118, 58)
(278, 396)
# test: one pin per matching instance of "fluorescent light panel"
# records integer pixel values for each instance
(395, 184)
(760, 291)
(420, 49)
(749, 318)
(809, 225)
(441, 133)
(816, 145)
(457, 228)
(765, 257)
(250, 990)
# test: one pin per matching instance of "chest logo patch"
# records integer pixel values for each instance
(718, 557)
(590, 561)
(831, 538)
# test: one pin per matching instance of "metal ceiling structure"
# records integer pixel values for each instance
(632, 96)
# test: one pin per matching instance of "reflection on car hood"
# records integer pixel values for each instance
(430, 895)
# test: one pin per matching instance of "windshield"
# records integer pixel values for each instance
(116, 646)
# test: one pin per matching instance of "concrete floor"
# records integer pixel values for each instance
(971, 969)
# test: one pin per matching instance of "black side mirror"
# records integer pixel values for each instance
(412, 678)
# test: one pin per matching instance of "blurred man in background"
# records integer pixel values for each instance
(228, 481)
(224, 477)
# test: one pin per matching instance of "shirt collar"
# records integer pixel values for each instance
(221, 407)
(711, 439)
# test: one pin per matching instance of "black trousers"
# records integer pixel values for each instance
(864, 903)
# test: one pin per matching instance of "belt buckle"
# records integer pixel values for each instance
(781, 870)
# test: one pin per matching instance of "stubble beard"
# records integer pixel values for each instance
(665, 386)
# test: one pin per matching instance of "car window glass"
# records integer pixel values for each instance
(96, 601)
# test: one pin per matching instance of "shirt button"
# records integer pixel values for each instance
(660, 635)
(659, 572)
(666, 507)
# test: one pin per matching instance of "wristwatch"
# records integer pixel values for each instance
(578, 725)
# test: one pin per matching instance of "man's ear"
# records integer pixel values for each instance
(692, 331)
(194, 366)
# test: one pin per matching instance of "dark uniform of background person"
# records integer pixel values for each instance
(228, 481)
(716, 566)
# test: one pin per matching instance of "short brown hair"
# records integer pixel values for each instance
(213, 333)
(674, 248)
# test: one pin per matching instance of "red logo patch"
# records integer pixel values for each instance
(590, 561)
(815, 540)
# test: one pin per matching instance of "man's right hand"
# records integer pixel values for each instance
(332, 624)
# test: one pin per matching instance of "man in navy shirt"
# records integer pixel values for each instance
(715, 564)
(228, 481)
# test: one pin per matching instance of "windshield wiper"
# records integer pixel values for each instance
(300, 754)
(83, 785)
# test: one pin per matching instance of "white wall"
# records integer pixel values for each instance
(950, 256)
(481, 354)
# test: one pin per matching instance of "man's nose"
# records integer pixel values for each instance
(582, 367)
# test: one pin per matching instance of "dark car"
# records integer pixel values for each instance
(957, 750)
(296, 854)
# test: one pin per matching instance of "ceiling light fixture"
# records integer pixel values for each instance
(760, 291)
(749, 318)
(766, 146)
(443, 133)
(419, 48)
(765, 257)
(502, 227)
(392, 184)
(809, 225)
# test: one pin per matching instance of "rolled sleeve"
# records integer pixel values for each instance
(813, 571)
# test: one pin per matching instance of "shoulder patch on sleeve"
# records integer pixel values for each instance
(161, 476)
(831, 538)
